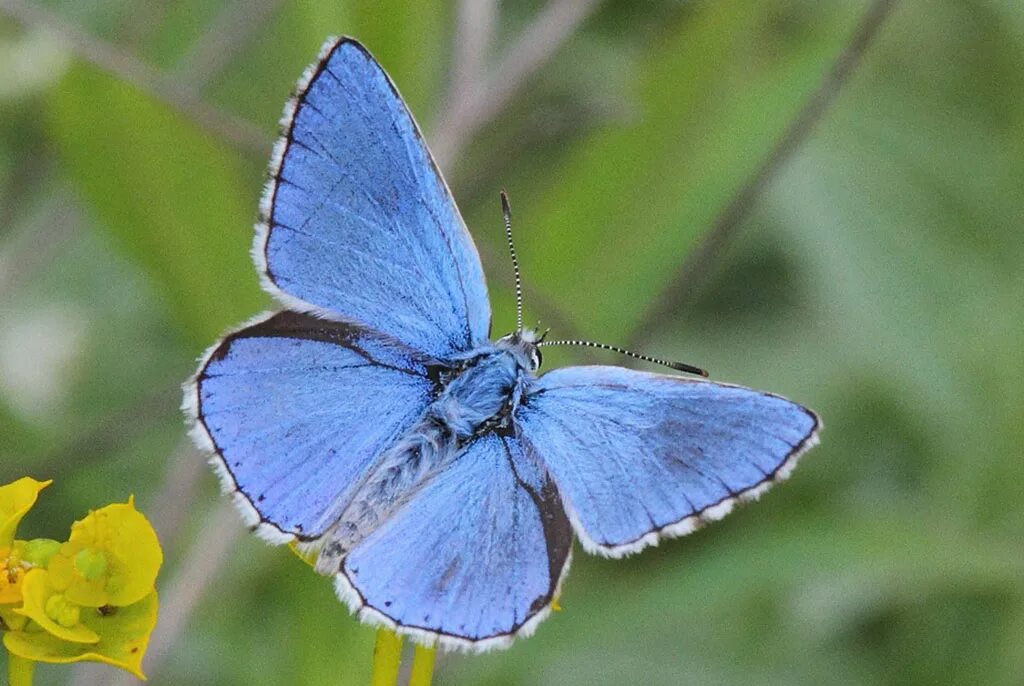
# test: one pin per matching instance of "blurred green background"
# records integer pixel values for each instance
(879, 280)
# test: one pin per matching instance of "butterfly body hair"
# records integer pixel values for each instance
(480, 395)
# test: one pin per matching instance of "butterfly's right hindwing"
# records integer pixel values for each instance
(296, 409)
(475, 557)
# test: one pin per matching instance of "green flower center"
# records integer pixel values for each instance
(61, 610)
(91, 564)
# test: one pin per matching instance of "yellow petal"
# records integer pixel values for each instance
(131, 553)
(62, 568)
(17, 498)
(11, 620)
(10, 583)
(51, 616)
(124, 635)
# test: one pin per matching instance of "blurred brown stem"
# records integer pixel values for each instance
(223, 125)
(226, 36)
(700, 262)
(481, 102)
(474, 30)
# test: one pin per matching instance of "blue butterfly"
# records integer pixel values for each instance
(375, 424)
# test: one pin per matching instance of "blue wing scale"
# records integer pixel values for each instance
(640, 456)
(274, 403)
(359, 225)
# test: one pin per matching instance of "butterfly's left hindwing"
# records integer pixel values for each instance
(639, 456)
(476, 556)
(296, 409)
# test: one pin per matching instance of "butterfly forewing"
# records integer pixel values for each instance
(637, 456)
(359, 224)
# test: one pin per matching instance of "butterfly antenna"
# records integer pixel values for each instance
(678, 366)
(506, 210)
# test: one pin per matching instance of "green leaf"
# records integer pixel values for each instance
(178, 202)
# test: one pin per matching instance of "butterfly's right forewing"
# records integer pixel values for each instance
(296, 409)
(640, 456)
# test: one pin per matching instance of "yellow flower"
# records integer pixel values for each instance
(122, 634)
(53, 611)
(90, 598)
(112, 558)
(16, 499)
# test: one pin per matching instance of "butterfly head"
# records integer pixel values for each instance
(524, 346)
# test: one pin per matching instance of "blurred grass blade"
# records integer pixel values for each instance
(177, 202)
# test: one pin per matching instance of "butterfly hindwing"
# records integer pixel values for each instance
(359, 225)
(476, 556)
(637, 456)
(296, 409)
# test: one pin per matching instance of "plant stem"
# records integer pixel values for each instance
(387, 656)
(422, 666)
(19, 670)
(700, 261)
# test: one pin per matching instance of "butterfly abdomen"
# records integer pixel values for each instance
(397, 475)
(479, 397)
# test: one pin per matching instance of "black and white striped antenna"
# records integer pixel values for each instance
(678, 366)
(506, 210)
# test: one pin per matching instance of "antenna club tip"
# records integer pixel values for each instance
(689, 369)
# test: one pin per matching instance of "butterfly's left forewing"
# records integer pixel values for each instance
(639, 456)
(359, 225)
